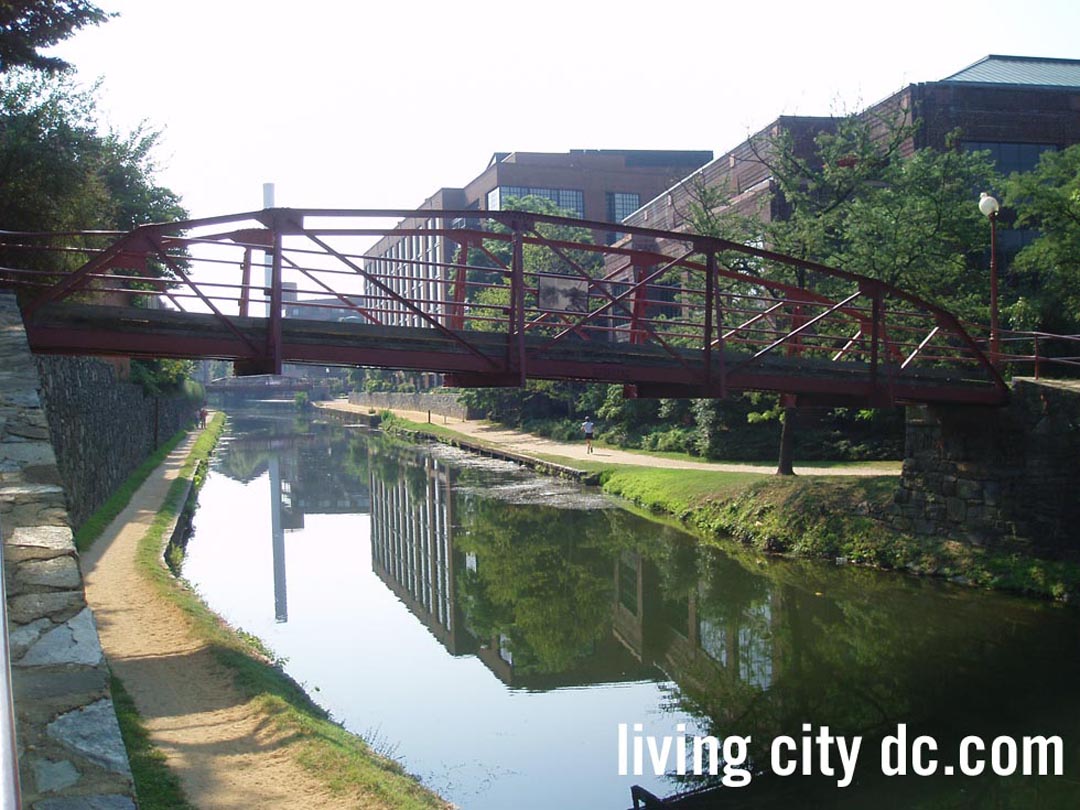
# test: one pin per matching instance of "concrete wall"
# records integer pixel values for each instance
(441, 404)
(1002, 477)
(102, 429)
(69, 746)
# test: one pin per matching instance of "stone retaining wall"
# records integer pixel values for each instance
(439, 403)
(1002, 477)
(101, 428)
(70, 751)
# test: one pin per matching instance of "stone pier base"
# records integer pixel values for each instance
(1000, 477)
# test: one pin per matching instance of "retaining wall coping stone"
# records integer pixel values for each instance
(73, 642)
(93, 732)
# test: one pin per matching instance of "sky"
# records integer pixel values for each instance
(378, 104)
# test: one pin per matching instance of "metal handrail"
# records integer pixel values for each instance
(10, 798)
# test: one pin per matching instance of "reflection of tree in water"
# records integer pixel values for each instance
(251, 439)
(862, 652)
(242, 462)
(760, 648)
(390, 460)
(540, 583)
(323, 467)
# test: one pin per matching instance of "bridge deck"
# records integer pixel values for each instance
(483, 358)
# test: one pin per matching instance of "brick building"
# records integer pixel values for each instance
(1016, 107)
(605, 185)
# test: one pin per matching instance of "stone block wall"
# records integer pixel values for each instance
(438, 403)
(69, 746)
(102, 428)
(1001, 477)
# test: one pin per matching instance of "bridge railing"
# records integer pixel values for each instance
(552, 289)
(1037, 353)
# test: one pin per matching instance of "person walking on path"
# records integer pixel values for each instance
(587, 428)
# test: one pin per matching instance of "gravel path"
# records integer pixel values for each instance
(224, 750)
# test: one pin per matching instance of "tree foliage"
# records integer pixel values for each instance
(59, 171)
(162, 376)
(27, 26)
(863, 202)
(1048, 200)
(541, 259)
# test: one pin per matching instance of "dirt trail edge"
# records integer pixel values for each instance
(528, 444)
(225, 752)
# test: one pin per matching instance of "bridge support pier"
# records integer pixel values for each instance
(1001, 477)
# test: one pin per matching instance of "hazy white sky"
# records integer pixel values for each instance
(377, 104)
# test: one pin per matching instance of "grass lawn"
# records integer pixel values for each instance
(809, 516)
(767, 467)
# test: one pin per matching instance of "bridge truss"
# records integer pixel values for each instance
(492, 298)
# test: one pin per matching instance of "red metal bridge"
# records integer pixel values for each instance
(492, 298)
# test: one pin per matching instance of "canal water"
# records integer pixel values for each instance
(498, 632)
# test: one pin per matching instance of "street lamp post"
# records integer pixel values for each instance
(989, 207)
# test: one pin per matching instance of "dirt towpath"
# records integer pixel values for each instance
(225, 752)
(518, 441)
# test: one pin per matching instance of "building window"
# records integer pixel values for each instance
(569, 199)
(1011, 157)
(621, 204)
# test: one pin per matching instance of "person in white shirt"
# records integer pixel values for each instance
(587, 428)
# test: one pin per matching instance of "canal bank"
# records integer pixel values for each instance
(833, 512)
(232, 727)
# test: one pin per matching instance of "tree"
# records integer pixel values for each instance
(540, 259)
(861, 201)
(1048, 269)
(490, 305)
(59, 172)
(26, 26)
(161, 376)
